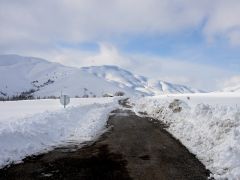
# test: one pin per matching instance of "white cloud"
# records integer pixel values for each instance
(180, 71)
(48, 22)
(106, 55)
(223, 21)
(231, 82)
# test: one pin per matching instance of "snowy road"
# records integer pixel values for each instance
(134, 148)
(37, 126)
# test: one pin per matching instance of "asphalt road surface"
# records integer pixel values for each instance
(133, 148)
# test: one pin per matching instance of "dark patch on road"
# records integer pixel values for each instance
(88, 163)
(125, 103)
(145, 157)
(134, 148)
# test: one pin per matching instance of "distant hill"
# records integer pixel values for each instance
(38, 77)
(235, 88)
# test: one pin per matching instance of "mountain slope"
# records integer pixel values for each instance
(138, 83)
(42, 78)
(232, 89)
(50, 79)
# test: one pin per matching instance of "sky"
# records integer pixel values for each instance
(191, 42)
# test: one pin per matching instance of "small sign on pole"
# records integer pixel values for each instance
(64, 100)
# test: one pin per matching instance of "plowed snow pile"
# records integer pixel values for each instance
(24, 133)
(207, 124)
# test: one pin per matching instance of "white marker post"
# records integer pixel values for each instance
(64, 100)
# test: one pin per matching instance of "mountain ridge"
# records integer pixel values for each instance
(24, 74)
(235, 88)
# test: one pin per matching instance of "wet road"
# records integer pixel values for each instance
(133, 148)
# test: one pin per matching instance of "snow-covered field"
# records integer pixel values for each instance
(35, 126)
(207, 124)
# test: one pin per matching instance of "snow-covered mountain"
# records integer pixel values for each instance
(39, 77)
(235, 88)
(138, 83)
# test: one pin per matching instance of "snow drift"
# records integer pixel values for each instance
(208, 126)
(42, 130)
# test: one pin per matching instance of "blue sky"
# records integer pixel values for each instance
(188, 42)
(189, 45)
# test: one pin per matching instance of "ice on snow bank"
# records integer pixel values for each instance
(40, 132)
(212, 132)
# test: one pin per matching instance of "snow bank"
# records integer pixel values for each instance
(208, 125)
(12, 110)
(39, 132)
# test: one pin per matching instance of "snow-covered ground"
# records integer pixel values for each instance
(32, 127)
(207, 124)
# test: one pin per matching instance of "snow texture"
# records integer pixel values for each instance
(207, 124)
(30, 129)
